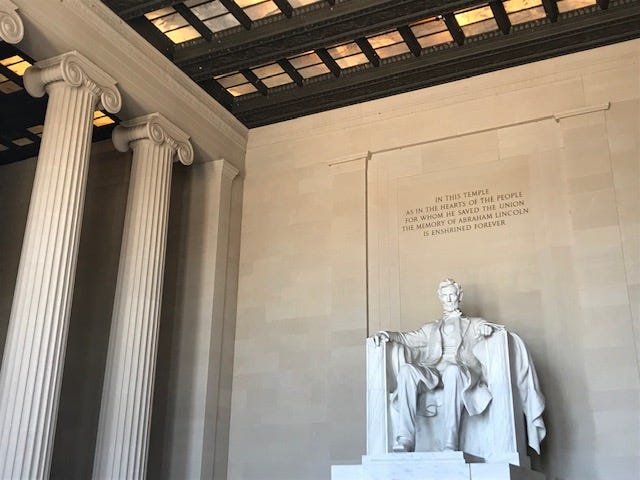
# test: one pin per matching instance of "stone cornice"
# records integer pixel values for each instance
(156, 128)
(11, 26)
(76, 71)
(228, 170)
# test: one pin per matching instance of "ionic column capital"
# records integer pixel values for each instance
(11, 26)
(156, 128)
(75, 70)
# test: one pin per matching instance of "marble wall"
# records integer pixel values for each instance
(325, 261)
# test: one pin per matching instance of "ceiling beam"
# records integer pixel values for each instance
(454, 28)
(368, 50)
(195, 22)
(272, 41)
(603, 4)
(291, 71)
(238, 13)
(255, 81)
(551, 9)
(154, 36)
(410, 39)
(285, 7)
(438, 66)
(328, 60)
(500, 16)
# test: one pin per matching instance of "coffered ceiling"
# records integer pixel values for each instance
(271, 60)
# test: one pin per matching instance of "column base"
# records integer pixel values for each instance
(431, 465)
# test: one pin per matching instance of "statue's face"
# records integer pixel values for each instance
(450, 298)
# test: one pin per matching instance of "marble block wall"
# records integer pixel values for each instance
(324, 260)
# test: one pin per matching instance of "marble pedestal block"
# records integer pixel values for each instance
(430, 466)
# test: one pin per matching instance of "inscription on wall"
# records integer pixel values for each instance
(469, 210)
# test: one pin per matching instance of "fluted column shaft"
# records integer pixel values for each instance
(125, 413)
(34, 353)
(11, 26)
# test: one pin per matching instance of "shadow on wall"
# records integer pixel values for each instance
(90, 322)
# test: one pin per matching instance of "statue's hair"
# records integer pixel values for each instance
(447, 282)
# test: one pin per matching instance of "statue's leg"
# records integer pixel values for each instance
(453, 379)
(409, 379)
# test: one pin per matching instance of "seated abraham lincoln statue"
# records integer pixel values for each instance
(442, 358)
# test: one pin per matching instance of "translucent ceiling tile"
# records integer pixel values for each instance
(231, 80)
(9, 87)
(102, 121)
(467, 17)
(385, 39)
(352, 60)
(36, 129)
(208, 10)
(3, 78)
(277, 80)
(257, 10)
(243, 89)
(480, 27)
(313, 70)
(528, 15)
(182, 34)
(169, 22)
(21, 142)
(516, 5)
(11, 60)
(428, 27)
(305, 60)
(302, 3)
(267, 70)
(222, 22)
(3, 147)
(435, 39)
(568, 5)
(20, 67)
(344, 50)
(159, 13)
(392, 50)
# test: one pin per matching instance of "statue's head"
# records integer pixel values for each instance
(450, 294)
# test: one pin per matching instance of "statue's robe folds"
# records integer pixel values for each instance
(425, 352)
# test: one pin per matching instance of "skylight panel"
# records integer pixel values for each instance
(388, 44)
(302, 3)
(213, 14)
(172, 24)
(236, 84)
(523, 11)
(3, 147)
(22, 141)
(430, 32)
(272, 75)
(348, 55)
(16, 64)
(101, 119)
(476, 21)
(257, 9)
(568, 5)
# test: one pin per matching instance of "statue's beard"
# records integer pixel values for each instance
(452, 312)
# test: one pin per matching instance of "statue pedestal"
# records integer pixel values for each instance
(430, 465)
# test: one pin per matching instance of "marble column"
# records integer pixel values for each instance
(34, 353)
(11, 27)
(125, 413)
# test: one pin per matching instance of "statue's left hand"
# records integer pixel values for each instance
(485, 329)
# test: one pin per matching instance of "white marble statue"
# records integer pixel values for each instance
(442, 355)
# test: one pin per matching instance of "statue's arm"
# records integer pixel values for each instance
(416, 338)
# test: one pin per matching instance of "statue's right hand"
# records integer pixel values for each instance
(380, 337)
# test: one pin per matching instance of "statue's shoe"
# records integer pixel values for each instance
(403, 445)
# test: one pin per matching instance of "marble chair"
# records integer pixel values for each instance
(497, 435)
